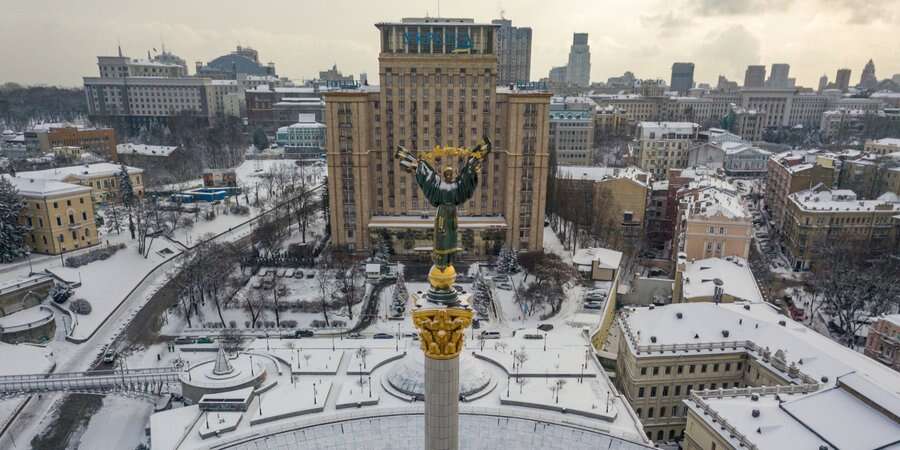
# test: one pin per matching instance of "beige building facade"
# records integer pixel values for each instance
(665, 145)
(711, 221)
(813, 218)
(59, 216)
(436, 90)
(791, 172)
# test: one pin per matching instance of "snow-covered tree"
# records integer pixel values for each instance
(508, 261)
(126, 189)
(400, 293)
(12, 234)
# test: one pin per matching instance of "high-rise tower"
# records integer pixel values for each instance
(513, 49)
(578, 71)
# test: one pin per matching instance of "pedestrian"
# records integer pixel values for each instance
(158, 357)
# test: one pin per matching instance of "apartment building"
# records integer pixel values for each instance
(306, 138)
(103, 178)
(665, 145)
(101, 141)
(883, 342)
(712, 222)
(698, 370)
(513, 49)
(59, 216)
(438, 87)
(790, 172)
(813, 217)
(572, 130)
(620, 195)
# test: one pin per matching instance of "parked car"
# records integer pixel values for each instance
(593, 305)
(303, 333)
(545, 327)
(184, 341)
(501, 278)
(310, 275)
(355, 336)
(490, 334)
(203, 340)
(504, 286)
(533, 336)
(383, 336)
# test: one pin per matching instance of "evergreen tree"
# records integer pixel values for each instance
(12, 234)
(508, 261)
(126, 189)
(260, 140)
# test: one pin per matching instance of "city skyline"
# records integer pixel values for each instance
(719, 37)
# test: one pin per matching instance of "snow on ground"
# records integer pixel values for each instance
(364, 391)
(24, 358)
(106, 283)
(374, 358)
(119, 424)
(303, 396)
(578, 396)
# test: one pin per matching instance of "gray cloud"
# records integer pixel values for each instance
(729, 51)
(738, 7)
(667, 23)
(867, 11)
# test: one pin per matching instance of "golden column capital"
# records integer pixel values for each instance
(442, 330)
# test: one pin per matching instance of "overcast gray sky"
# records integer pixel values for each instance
(56, 42)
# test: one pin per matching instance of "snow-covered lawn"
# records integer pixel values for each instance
(106, 283)
(119, 424)
(304, 396)
(586, 398)
(375, 357)
(212, 423)
(305, 361)
(563, 361)
(358, 392)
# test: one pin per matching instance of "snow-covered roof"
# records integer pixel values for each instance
(704, 324)
(81, 172)
(606, 258)
(700, 278)
(145, 150)
(892, 318)
(38, 187)
(841, 200)
(887, 141)
(602, 173)
(678, 127)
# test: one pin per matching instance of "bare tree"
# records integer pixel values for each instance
(854, 286)
(323, 280)
(269, 234)
(254, 303)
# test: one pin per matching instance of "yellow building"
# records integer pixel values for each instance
(103, 178)
(711, 221)
(70, 152)
(619, 197)
(816, 217)
(59, 216)
(436, 94)
(882, 147)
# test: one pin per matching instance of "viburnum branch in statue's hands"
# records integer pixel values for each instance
(408, 161)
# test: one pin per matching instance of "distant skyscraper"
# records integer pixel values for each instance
(896, 78)
(867, 80)
(558, 74)
(779, 77)
(682, 77)
(725, 85)
(578, 71)
(823, 83)
(513, 48)
(755, 77)
(842, 79)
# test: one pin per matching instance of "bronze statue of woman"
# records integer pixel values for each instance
(445, 192)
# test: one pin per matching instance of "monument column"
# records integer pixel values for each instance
(442, 330)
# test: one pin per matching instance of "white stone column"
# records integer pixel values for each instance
(441, 403)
